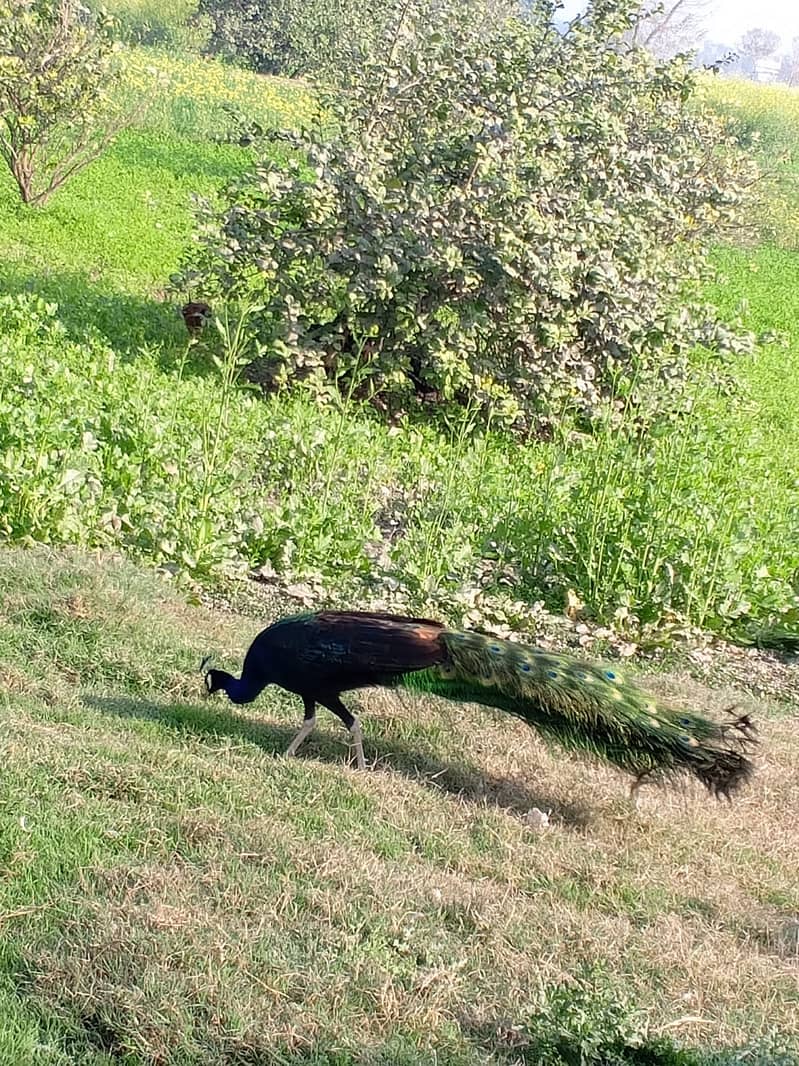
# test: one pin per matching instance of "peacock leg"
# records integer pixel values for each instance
(353, 725)
(634, 787)
(357, 741)
(306, 728)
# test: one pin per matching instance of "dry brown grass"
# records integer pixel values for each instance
(202, 899)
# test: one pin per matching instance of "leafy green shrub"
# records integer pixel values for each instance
(291, 37)
(591, 1021)
(56, 67)
(503, 217)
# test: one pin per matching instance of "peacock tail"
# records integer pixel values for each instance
(590, 709)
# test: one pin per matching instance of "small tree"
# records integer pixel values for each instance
(493, 214)
(289, 37)
(56, 66)
(758, 44)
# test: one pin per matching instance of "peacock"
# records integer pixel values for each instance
(581, 706)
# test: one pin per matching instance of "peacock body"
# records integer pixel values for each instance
(584, 707)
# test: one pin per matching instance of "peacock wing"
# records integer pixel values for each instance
(387, 645)
(340, 650)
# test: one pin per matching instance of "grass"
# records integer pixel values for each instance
(155, 456)
(762, 285)
(175, 891)
(656, 534)
(767, 117)
(122, 224)
(189, 93)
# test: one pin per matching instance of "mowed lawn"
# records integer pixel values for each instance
(174, 890)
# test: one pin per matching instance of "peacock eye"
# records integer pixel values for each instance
(610, 675)
(552, 673)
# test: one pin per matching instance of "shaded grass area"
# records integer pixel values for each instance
(173, 890)
(120, 226)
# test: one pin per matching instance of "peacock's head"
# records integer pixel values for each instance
(214, 680)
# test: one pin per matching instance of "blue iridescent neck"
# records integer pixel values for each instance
(242, 689)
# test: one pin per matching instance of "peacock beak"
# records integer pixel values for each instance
(204, 666)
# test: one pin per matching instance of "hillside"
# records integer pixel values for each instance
(695, 530)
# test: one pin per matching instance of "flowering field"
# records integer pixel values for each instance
(768, 116)
(190, 92)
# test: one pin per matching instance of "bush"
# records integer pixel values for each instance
(56, 66)
(290, 37)
(590, 1020)
(504, 218)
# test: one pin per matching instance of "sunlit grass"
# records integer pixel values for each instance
(175, 891)
(189, 94)
(767, 118)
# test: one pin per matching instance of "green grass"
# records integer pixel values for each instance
(767, 119)
(122, 224)
(149, 452)
(105, 247)
(150, 23)
(187, 94)
(174, 891)
(762, 286)
(696, 526)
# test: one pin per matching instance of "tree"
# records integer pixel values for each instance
(715, 56)
(56, 68)
(290, 37)
(666, 30)
(492, 215)
(320, 38)
(757, 44)
(789, 68)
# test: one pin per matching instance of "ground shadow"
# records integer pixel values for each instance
(125, 322)
(329, 744)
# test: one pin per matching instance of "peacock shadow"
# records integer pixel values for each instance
(468, 782)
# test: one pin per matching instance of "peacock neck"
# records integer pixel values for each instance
(243, 689)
